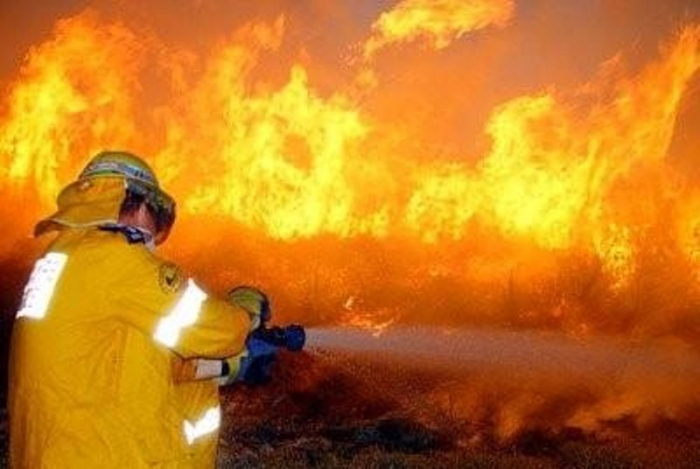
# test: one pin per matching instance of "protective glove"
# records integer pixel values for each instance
(253, 366)
(253, 301)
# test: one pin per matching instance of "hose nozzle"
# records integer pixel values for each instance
(292, 337)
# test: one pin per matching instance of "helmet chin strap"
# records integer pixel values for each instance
(150, 239)
(133, 232)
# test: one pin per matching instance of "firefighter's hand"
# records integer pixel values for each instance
(253, 366)
(253, 301)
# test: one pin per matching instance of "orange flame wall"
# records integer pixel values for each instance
(488, 161)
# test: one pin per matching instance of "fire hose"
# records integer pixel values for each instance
(291, 337)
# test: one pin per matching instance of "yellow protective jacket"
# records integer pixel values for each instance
(91, 385)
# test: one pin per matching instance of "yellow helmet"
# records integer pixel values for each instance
(96, 197)
(120, 164)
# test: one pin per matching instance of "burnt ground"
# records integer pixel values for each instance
(331, 411)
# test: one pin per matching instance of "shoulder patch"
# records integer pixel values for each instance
(169, 277)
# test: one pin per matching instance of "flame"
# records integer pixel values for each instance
(295, 143)
(439, 22)
(73, 96)
(564, 170)
(375, 321)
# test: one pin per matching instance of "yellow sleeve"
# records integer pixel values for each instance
(153, 296)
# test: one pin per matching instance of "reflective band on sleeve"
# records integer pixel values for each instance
(41, 285)
(183, 314)
(207, 424)
(208, 369)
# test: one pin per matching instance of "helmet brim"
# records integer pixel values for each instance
(85, 203)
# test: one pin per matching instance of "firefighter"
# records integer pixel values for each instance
(102, 322)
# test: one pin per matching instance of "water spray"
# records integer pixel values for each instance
(518, 350)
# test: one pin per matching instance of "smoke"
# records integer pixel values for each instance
(508, 383)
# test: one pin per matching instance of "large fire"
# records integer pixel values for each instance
(351, 197)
